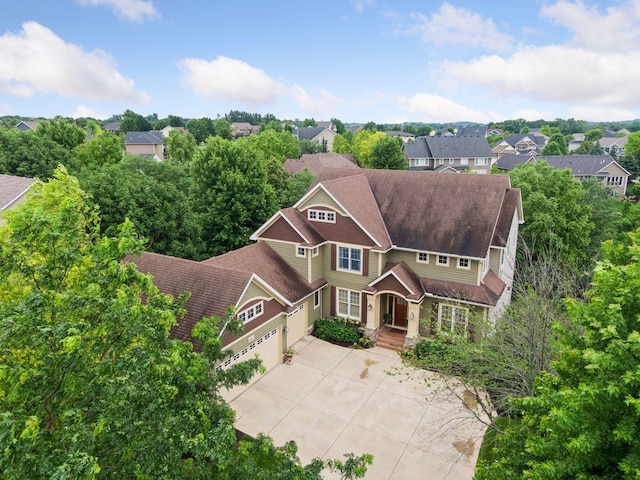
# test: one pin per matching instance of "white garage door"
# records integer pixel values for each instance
(297, 325)
(266, 347)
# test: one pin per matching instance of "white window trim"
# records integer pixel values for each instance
(442, 264)
(350, 306)
(315, 251)
(480, 161)
(350, 270)
(450, 323)
(317, 300)
(315, 216)
(301, 249)
(468, 267)
(254, 311)
(418, 257)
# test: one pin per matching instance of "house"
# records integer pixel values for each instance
(328, 124)
(522, 143)
(604, 167)
(243, 129)
(112, 127)
(613, 145)
(462, 153)
(314, 162)
(13, 190)
(322, 136)
(165, 131)
(404, 136)
(472, 131)
(145, 144)
(25, 125)
(351, 247)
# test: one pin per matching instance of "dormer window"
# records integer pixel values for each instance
(322, 216)
(251, 313)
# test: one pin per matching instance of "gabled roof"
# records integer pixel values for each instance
(472, 131)
(513, 140)
(12, 189)
(423, 210)
(27, 125)
(417, 149)
(308, 133)
(315, 162)
(405, 276)
(111, 126)
(487, 293)
(144, 138)
(448, 147)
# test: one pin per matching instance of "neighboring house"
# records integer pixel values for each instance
(603, 167)
(112, 127)
(243, 129)
(24, 125)
(327, 124)
(351, 247)
(475, 131)
(404, 136)
(354, 128)
(13, 190)
(322, 136)
(145, 144)
(462, 153)
(522, 143)
(314, 162)
(613, 145)
(165, 131)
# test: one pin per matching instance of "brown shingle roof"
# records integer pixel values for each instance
(487, 293)
(300, 223)
(401, 271)
(503, 227)
(12, 188)
(439, 212)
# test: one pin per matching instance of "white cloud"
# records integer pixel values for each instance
(458, 26)
(434, 108)
(83, 111)
(38, 61)
(360, 5)
(554, 73)
(593, 114)
(532, 114)
(134, 10)
(611, 32)
(228, 79)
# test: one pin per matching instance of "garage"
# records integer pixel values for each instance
(296, 325)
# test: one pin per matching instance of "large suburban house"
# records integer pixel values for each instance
(243, 129)
(603, 167)
(419, 252)
(470, 153)
(13, 190)
(520, 144)
(320, 135)
(145, 144)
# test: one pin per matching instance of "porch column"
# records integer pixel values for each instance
(373, 313)
(413, 320)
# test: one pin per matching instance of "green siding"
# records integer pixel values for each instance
(430, 270)
(316, 263)
(288, 252)
(320, 198)
(254, 291)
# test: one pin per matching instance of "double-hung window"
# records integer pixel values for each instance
(349, 303)
(350, 259)
(453, 319)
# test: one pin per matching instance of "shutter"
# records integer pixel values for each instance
(333, 256)
(332, 306)
(365, 262)
(363, 308)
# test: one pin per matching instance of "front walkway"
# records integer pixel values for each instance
(334, 400)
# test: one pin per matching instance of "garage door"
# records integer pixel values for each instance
(266, 347)
(297, 325)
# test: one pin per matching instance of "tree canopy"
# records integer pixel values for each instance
(386, 154)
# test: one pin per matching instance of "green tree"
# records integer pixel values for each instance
(554, 210)
(552, 148)
(370, 126)
(91, 385)
(155, 196)
(309, 122)
(281, 145)
(181, 146)
(102, 149)
(28, 154)
(309, 146)
(64, 133)
(297, 186)
(362, 145)
(386, 154)
(133, 122)
(596, 149)
(342, 143)
(222, 128)
(201, 129)
(585, 420)
(232, 192)
(340, 128)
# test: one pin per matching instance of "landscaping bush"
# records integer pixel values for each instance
(336, 330)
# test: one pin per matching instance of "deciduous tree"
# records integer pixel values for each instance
(386, 154)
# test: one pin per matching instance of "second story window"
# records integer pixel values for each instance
(301, 252)
(463, 263)
(350, 259)
(443, 260)
(481, 161)
(322, 216)
(422, 257)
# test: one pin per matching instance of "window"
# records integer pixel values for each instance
(315, 251)
(480, 161)
(422, 257)
(349, 303)
(250, 313)
(349, 259)
(452, 318)
(443, 260)
(300, 252)
(316, 299)
(464, 263)
(419, 162)
(322, 216)
(614, 181)
(465, 161)
(441, 161)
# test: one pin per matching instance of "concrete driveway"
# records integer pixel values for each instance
(333, 400)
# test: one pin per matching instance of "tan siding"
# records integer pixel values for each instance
(252, 336)
(288, 252)
(321, 198)
(253, 292)
(316, 263)
(430, 270)
(316, 313)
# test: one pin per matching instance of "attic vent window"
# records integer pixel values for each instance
(322, 216)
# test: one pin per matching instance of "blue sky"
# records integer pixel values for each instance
(356, 60)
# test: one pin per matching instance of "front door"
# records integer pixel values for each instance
(400, 313)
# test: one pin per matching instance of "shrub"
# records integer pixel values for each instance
(335, 330)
